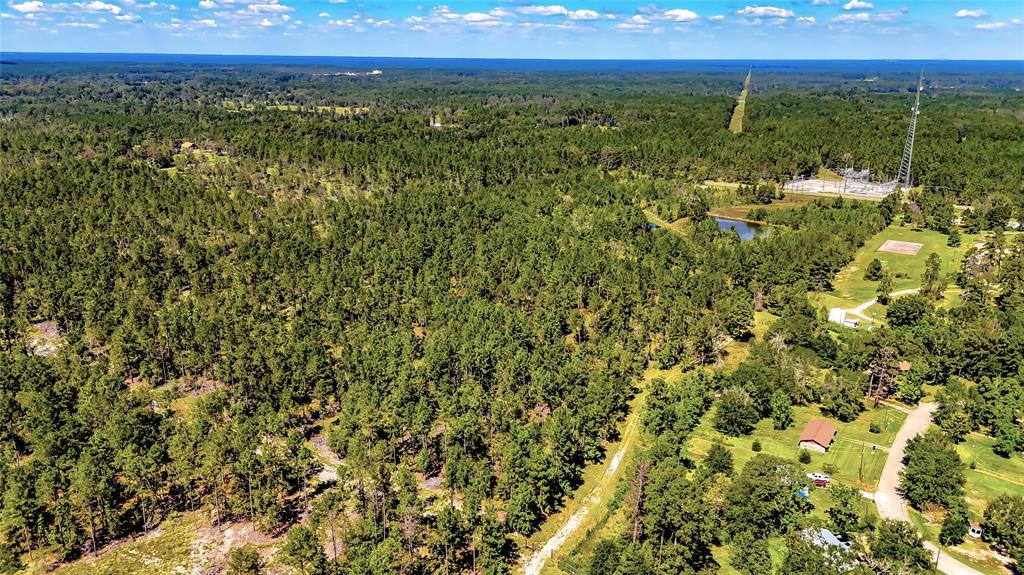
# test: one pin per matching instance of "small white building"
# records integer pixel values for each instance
(838, 315)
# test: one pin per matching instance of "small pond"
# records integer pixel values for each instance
(746, 230)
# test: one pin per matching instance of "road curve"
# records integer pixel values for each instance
(891, 504)
(859, 310)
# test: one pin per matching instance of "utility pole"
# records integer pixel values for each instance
(903, 179)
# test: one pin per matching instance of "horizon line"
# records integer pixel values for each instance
(498, 58)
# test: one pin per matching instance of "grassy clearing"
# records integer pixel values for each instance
(339, 109)
(738, 351)
(850, 289)
(676, 227)
(166, 550)
(736, 122)
(992, 475)
(852, 440)
(827, 174)
(740, 212)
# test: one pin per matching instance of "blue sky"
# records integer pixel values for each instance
(698, 29)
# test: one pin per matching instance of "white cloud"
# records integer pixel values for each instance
(205, 23)
(93, 6)
(765, 11)
(716, 18)
(583, 14)
(680, 15)
(552, 10)
(271, 6)
(207, 4)
(90, 25)
(858, 5)
(338, 1)
(127, 18)
(266, 23)
(98, 6)
(865, 17)
(325, 15)
(443, 15)
(633, 23)
(822, 2)
(1000, 25)
(805, 20)
(965, 13)
(28, 7)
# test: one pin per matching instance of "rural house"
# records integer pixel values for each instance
(818, 435)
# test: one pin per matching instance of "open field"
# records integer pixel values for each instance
(740, 212)
(992, 475)
(736, 122)
(850, 289)
(852, 440)
(675, 227)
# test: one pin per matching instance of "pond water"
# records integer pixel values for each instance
(746, 230)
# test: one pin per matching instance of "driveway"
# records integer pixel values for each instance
(891, 504)
(859, 310)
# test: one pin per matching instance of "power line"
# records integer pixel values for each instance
(908, 149)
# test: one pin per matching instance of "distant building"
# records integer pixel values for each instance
(905, 366)
(818, 435)
(974, 531)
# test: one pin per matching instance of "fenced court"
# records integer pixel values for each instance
(900, 247)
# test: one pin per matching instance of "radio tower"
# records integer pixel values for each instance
(903, 180)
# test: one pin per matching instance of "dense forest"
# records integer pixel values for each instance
(451, 280)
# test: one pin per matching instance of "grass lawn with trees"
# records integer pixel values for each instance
(845, 453)
(850, 289)
(993, 475)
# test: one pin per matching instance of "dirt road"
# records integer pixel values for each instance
(859, 310)
(592, 502)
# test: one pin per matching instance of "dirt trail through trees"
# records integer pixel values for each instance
(596, 496)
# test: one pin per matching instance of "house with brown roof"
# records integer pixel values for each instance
(818, 435)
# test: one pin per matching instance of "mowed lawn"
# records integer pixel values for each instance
(992, 475)
(853, 440)
(850, 289)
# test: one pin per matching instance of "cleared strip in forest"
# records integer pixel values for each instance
(736, 122)
(596, 496)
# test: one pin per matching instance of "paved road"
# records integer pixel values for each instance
(891, 504)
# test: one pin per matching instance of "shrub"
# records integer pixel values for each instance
(756, 446)
(874, 427)
(805, 456)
